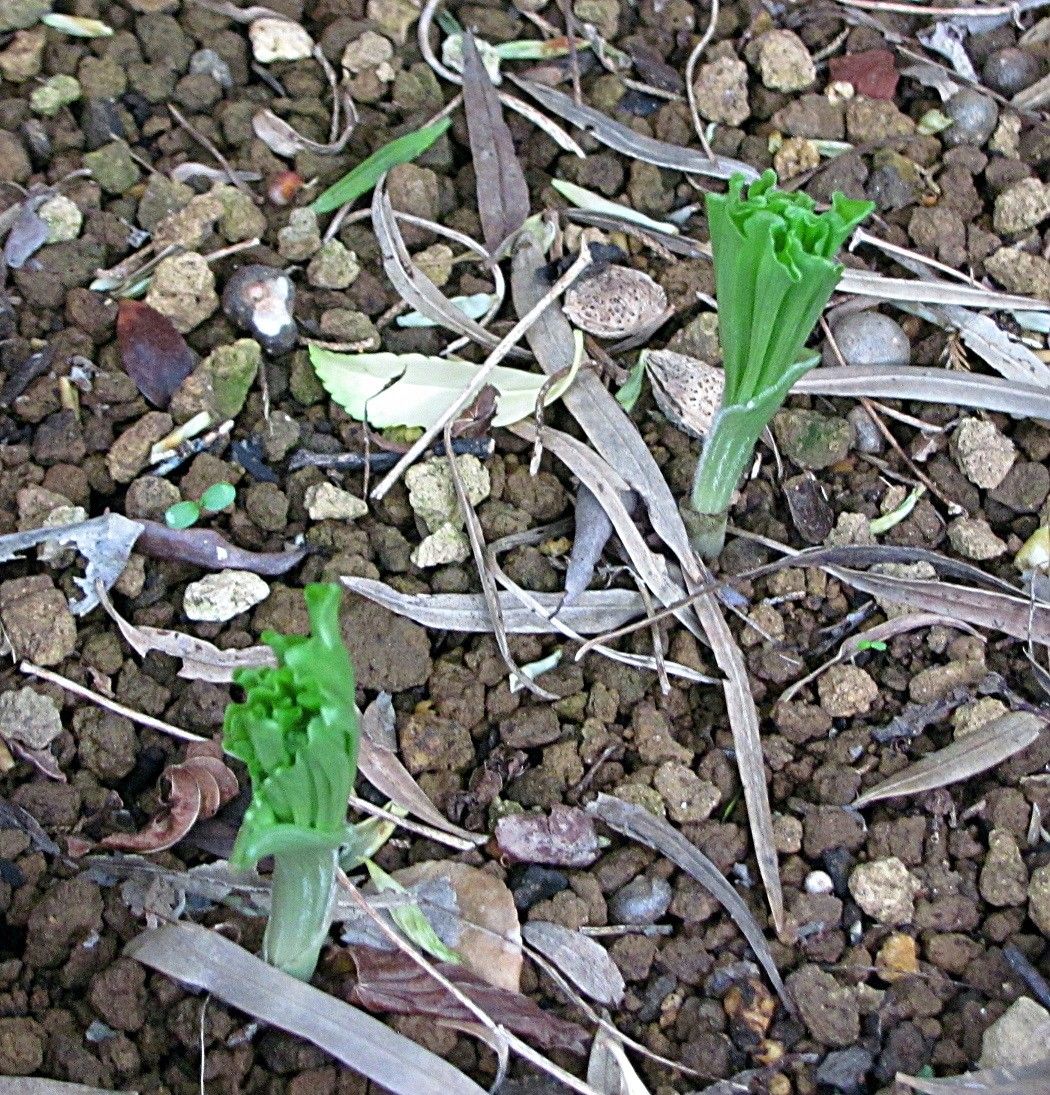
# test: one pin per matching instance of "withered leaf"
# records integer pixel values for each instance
(565, 838)
(28, 233)
(389, 981)
(209, 549)
(584, 961)
(503, 194)
(152, 352)
(196, 788)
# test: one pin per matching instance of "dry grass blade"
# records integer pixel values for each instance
(1020, 1080)
(621, 139)
(988, 393)
(579, 958)
(1034, 97)
(609, 1069)
(646, 828)
(866, 283)
(30, 1085)
(503, 194)
(971, 755)
(205, 960)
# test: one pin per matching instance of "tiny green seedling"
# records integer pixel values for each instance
(774, 273)
(186, 514)
(297, 732)
(871, 644)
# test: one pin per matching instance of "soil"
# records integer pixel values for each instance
(897, 920)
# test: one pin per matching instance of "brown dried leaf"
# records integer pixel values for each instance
(503, 194)
(609, 1069)
(581, 959)
(152, 352)
(389, 981)
(207, 548)
(564, 838)
(196, 788)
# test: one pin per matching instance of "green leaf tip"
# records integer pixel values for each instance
(297, 733)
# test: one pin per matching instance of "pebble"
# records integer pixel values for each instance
(688, 797)
(1004, 879)
(972, 716)
(62, 217)
(795, 156)
(29, 717)
(447, 544)
(984, 455)
(21, 14)
(1018, 1037)
(1021, 207)
(59, 91)
(867, 437)
(219, 597)
(975, 117)
(333, 267)
(113, 168)
(810, 439)
(301, 236)
(279, 40)
(432, 494)
(615, 302)
(721, 91)
(183, 289)
(846, 690)
(644, 900)
(37, 620)
(327, 502)
(1039, 899)
(208, 63)
(21, 1047)
(129, 454)
(973, 538)
(819, 882)
(885, 889)
(23, 58)
(845, 1070)
(830, 1011)
(536, 884)
(898, 957)
(261, 300)
(1019, 272)
(870, 338)
(1010, 70)
(393, 17)
(220, 384)
(784, 63)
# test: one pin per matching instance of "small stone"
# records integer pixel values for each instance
(614, 302)
(972, 716)
(870, 338)
(206, 62)
(975, 116)
(787, 834)
(37, 620)
(279, 40)
(984, 455)
(603, 14)
(14, 160)
(327, 502)
(22, 60)
(1010, 70)
(241, 218)
(867, 437)
(113, 168)
(354, 329)
(1018, 1037)
(129, 454)
(414, 189)
(644, 900)
(851, 530)
(873, 120)
(30, 718)
(369, 51)
(885, 889)
(188, 227)
(261, 300)
(1021, 207)
(795, 156)
(62, 217)
(810, 439)
(973, 538)
(846, 690)
(280, 435)
(393, 17)
(301, 236)
(898, 957)
(818, 882)
(435, 262)
(183, 289)
(432, 494)
(161, 198)
(845, 1070)
(721, 91)
(1019, 272)
(21, 1047)
(21, 14)
(333, 267)
(61, 90)
(219, 597)
(784, 62)
(445, 545)
(688, 797)
(830, 1011)
(699, 339)
(1039, 899)
(1003, 879)
(1006, 140)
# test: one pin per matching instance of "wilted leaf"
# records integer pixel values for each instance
(414, 390)
(409, 917)
(609, 1069)
(564, 838)
(595, 203)
(585, 962)
(152, 352)
(872, 73)
(196, 788)
(28, 233)
(389, 981)
(211, 550)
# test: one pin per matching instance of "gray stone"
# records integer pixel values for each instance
(975, 117)
(870, 338)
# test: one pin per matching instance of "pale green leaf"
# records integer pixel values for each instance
(77, 26)
(409, 917)
(583, 198)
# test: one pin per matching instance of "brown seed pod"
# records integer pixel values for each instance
(614, 302)
(687, 390)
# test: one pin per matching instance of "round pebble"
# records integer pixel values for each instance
(870, 338)
(642, 901)
(1010, 70)
(866, 435)
(975, 117)
(819, 882)
(261, 300)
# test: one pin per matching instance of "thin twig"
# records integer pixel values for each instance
(418, 827)
(108, 704)
(928, 9)
(210, 145)
(690, 69)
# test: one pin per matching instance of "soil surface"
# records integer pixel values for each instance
(910, 927)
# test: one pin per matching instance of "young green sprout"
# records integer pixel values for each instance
(297, 732)
(774, 273)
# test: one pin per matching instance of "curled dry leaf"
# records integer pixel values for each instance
(207, 548)
(609, 1069)
(564, 838)
(1018, 1080)
(584, 961)
(389, 981)
(152, 352)
(196, 788)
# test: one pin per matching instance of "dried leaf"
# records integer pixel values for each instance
(486, 933)
(104, 542)
(609, 1069)
(28, 232)
(585, 962)
(867, 283)
(77, 26)
(30, 1085)
(872, 73)
(17, 817)
(152, 352)
(1018, 1080)
(212, 551)
(946, 38)
(201, 660)
(592, 532)
(594, 203)
(648, 829)
(934, 76)
(564, 838)
(389, 981)
(409, 917)
(284, 140)
(503, 194)
(968, 756)
(206, 960)
(196, 788)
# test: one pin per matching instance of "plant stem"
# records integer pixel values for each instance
(302, 890)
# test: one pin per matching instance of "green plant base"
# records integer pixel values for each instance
(707, 532)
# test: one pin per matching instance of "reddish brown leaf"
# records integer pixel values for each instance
(566, 838)
(153, 353)
(209, 549)
(389, 981)
(196, 788)
(872, 72)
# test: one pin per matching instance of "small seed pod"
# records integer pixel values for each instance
(282, 187)
(261, 300)
(614, 302)
(687, 390)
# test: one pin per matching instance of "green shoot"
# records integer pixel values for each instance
(182, 515)
(297, 732)
(186, 514)
(774, 273)
(630, 390)
(409, 916)
(367, 173)
(871, 644)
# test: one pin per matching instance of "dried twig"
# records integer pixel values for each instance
(690, 70)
